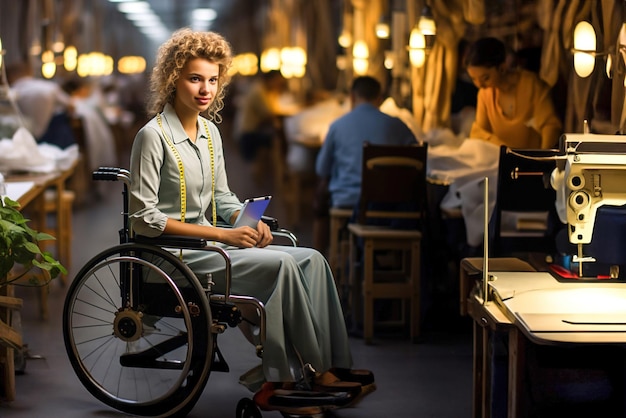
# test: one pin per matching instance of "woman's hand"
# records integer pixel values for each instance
(246, 237)
(242, 237)
(265, 235)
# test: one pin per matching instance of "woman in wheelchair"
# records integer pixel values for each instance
(178, 174)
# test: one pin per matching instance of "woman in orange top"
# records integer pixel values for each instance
(514, 107)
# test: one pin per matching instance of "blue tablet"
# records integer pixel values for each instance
(252, 211)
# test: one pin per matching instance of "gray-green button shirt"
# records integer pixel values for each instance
(156, 195)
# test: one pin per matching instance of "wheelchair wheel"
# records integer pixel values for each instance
(136, 325)
(246, 408)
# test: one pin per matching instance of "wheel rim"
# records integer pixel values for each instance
(138, 357)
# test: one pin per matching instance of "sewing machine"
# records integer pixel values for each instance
(533, 311)
(593, 194)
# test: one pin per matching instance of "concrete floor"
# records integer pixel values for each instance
(429, 379)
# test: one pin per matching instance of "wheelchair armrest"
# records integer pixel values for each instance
(271, 222)
(182, 241)
(178, 241)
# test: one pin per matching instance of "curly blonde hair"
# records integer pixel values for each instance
(172, 56)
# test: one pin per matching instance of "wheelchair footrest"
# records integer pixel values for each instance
(300, 402)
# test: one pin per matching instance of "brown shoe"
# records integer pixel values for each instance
(329, 382)
(364, 378)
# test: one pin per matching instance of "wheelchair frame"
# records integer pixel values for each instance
(135, 316)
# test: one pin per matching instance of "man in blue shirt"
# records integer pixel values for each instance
(338, 163)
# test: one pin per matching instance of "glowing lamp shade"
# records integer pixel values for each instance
(427, 23)
(417, 48)
(584, 49)
(270, 60)
(47, 56)
(390, 58)
(360, 57)
(48, 69)
(293, 62)
(382, 30)
(342, 62)
(70, 58)
(345, 39)
(131, 64)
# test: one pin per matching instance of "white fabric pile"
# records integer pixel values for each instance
(22, 153)
(465, 168)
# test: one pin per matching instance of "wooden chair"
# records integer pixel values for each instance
(393, 191)
(62, 206)
(62, 232)
(339, 246)
(524, 216)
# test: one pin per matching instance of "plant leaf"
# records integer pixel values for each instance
(42, 236)
(19, 244)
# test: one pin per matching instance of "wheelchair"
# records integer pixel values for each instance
(140, 329)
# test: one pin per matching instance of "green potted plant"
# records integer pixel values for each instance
(20, 253)
(19, 245)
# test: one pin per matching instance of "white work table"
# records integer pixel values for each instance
(550, 311)
(528, 310)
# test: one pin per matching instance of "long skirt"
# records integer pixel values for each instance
(304, 319)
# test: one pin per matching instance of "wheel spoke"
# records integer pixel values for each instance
(145, 355)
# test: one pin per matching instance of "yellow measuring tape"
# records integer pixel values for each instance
(181, 171)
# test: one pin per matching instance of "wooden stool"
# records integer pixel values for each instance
(391, 209)
(401, 284)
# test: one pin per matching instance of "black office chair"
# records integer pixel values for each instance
(524, 219)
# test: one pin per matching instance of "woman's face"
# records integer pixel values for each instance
(197, 85)
(484, 77)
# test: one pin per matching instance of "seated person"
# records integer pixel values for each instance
(338, 164)
(514, 107)
(305, 322)
(99, 140)
(339, 159)
(43, 104)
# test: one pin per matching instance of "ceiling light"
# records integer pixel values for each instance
(345, 39)
(360, 57)
(270, 59)
(143, 17)
(134, 7)
(205, 14)
(417, 48)
(427, 22)
(382, 29)
(584, 49)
